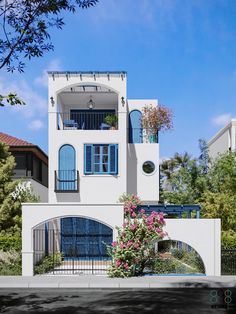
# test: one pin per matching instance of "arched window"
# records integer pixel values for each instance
(67, 169)
(135, 127)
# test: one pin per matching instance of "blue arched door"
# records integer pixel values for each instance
(135, 127)
(67, 172)
(84, 238)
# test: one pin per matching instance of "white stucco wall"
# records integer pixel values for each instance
(36, 213)
(146, 186)
(204, 235)
(39, 190)
(93, 189)
(223, 140)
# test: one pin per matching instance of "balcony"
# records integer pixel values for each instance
(66, 181)
(143, 135)
(86, 120)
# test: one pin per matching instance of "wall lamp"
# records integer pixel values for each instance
(52, 101)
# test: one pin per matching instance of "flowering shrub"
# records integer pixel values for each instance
(156, 118)
(134, 245)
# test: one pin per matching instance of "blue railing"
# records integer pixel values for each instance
(66, 181)
(180, 211)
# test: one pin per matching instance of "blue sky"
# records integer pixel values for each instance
(181, 52)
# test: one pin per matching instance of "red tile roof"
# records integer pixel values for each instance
(13, 141)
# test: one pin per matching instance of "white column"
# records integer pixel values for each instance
(233, 137)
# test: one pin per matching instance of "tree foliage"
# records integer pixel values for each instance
(12, 194)
(208, 182)
(25, 32)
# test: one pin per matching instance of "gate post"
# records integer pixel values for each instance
(27, 263)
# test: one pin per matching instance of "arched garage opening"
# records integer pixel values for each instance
(71, 245)
(175, 257)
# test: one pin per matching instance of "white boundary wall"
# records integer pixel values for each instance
(201, 234)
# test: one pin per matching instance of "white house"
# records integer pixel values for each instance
(224, 140)
(31, 165)
(91, 163)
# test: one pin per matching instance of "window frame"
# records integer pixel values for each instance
(99, 161)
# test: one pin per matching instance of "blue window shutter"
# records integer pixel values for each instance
(88, 159)
(113, 158)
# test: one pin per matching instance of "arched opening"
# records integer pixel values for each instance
(84, 238)
(135, 127)
(86, 106)
(67, 169)
(174, 257)
(71, 245)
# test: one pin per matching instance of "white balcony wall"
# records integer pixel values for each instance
(146, 186)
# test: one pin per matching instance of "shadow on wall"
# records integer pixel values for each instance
(68, 197)
(132, 185)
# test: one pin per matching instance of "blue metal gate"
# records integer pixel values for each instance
(84, 238)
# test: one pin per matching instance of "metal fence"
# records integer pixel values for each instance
(50, 259)
(228, 262)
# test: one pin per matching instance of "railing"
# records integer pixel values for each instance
(143, 135)
(49, 257)
(66, 181)
(91, 120)
(228, 262)
(173, 211)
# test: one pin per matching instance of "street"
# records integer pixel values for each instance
(73, 301)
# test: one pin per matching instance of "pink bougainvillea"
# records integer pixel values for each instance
(135, 240)
(157, 118)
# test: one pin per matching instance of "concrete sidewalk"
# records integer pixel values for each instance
(119, 283)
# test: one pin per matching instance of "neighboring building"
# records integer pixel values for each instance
(31, 164)
(91, 163)
(224, 140)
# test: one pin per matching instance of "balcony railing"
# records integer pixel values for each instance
(66, 181)
(173, 211)
(143, 135)
(90, 120)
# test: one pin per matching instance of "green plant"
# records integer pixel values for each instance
(178, 253)
(111, 120)
(165, 266)
(10, 242)
(194, 260)
(228, 239)
(10, 263)
(47, 263)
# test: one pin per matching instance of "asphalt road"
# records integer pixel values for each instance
(73, 301)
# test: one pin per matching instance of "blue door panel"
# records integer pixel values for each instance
(135, 127)
(67, 173)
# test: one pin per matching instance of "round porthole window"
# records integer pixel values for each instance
(148, 167)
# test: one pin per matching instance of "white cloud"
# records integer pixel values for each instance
(36, 125)
(42, 80)
(36, 105)
(222, 119)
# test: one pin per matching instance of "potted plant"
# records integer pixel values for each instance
(112, 121)
(155, 119)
